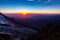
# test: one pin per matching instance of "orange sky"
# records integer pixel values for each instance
(31, 12)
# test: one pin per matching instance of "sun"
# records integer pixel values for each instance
(24, 13)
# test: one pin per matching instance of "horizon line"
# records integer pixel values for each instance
(31, 12)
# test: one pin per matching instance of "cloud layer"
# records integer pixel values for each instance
(40, 0)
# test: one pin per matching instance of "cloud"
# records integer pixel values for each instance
(38, 0)
(30, 0)
(48, 1)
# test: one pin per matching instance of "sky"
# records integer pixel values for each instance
(30, 6)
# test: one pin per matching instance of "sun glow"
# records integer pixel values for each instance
(24, 13)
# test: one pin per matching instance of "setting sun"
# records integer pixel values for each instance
(24, 13)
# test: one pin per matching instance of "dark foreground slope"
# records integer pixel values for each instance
(49, 32)
(9, 30)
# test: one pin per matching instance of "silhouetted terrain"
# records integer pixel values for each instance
(34, 20)
(47, 26)
(12, 30)
(50, 32)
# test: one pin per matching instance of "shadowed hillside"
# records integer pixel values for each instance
(50, 32)
(9, 29)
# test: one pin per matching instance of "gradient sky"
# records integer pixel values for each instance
(30, 5)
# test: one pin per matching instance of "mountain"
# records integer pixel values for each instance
(8, 27)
